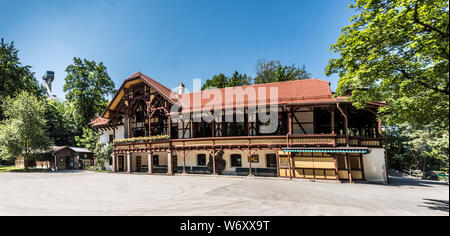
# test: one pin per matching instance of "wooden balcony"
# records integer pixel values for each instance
(254, 142)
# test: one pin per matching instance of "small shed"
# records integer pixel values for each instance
(63, 157)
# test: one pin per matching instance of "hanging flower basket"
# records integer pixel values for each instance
(142, 139)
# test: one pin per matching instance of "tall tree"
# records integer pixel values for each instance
(222, 81)
(238, 79)
(273, 71)
(88, 139)
(409, 148)
(23, 132)
(14, 77)
(397, 51)
(87, 87)
(63, 123)
(102, 153)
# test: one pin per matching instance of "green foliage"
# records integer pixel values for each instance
(267, 72)
(87, 87)
(273, 71)
(103, 153)
(88, 139)
(14, 76)
(23, 132)
(222, 81)
(239, 80)
(410, 148)
(399, 50)
(63, 123)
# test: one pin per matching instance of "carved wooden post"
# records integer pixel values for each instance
(278, 163)
(249, 157)
(290, 123)
(333, 126)
(184, 161)
(349, 168)
(129, 126)
(114, 165)
(150, 163)
(149, 125)
(344, 114)
(336, 166)
(214, 162)
(169, 163)
(129, 162)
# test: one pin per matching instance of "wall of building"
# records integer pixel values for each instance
(63, 155)
(375, 166)
(120, 134)
(191, 159)
(144, 159)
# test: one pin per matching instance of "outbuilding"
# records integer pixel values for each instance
(61, 157)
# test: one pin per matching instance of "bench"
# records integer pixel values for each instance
(199, 170)
(244, 171)
(257, 171)
(194, 169)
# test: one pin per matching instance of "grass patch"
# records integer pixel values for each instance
(5, 169)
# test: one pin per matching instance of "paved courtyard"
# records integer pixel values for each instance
(90, 193)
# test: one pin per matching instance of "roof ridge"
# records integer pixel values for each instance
(266, 84)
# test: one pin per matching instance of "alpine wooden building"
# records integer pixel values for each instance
(317, 136)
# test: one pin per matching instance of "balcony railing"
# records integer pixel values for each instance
(319, 140)
(141, 139)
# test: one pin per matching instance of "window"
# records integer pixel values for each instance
(255, 158)
(201, 160)
(341, 163)
(236, 160)
(284, 161)
(271, 160)
(354, 162)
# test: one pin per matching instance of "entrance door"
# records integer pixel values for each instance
(138, 164)
(69, 162)
(174, 164)
(271, 160)
(120, 164)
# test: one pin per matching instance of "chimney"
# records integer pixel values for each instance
(181, 88)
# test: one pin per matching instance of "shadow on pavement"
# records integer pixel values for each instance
(437, 205)
(42, 171)
(402, 181)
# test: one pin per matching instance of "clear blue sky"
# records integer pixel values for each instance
(173, 41)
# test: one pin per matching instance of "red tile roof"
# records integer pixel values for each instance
(289, 92)
(99, 121)
(309, 91)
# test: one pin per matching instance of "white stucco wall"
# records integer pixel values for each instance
(191, 158)
(144, 159)
(375, 166)
(104, 136)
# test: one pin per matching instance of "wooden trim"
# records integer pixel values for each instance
(336, 167)
(349, 167)
(362, 166)
(278, 162)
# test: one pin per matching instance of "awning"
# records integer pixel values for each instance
(329, 150)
